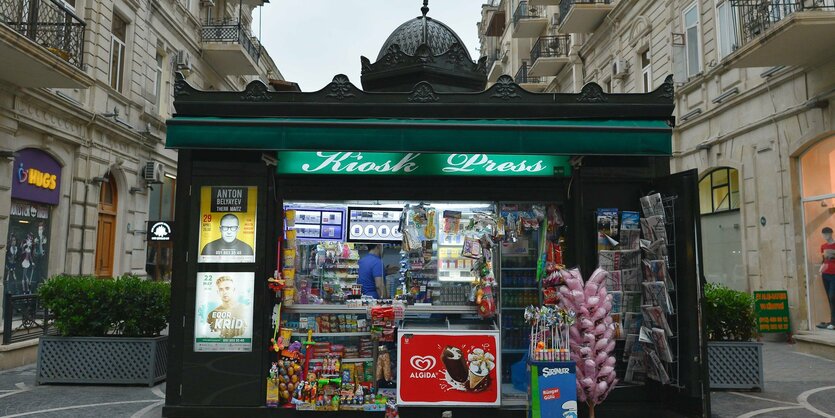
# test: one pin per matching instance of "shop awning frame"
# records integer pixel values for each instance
(556, 137)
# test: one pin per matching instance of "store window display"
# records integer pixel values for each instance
(827, 271)
(817, 173)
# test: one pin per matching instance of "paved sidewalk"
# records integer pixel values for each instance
(21, 397)
(797, 385)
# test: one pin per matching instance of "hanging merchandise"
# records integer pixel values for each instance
(383, 375)
(452, 222)
(383, 322)
(592, 336)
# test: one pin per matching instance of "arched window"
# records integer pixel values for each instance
(719, 191)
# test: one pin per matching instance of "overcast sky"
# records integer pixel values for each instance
(313, 40)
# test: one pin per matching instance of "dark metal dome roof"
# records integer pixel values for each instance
(410, 35)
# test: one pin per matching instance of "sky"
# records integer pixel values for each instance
(313, 40)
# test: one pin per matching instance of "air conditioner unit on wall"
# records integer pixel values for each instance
(153, 172)
(619, 68)
(182, 60)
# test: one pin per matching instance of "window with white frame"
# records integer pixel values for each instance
(692, 40)
(160, 59)
(646, 72)
(118, 38)
(727, 37)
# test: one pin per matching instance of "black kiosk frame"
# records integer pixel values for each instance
(619, 146)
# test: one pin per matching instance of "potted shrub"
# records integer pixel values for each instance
(110, 331)
(734, 361)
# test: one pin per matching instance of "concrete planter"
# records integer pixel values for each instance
(736, 365)
(102, 360)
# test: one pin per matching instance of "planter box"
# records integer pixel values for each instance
(102, 360)
(735, 365)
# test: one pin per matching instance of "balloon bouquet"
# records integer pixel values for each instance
(592, 336)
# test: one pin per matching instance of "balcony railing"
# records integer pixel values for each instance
(522, 76)
(551, 46)
(526, 11)
(756, 16)
(232, 32)
(566, 5)
(50, 24)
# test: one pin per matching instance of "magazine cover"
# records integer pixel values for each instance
(652, 205)
(632, 322)
(662, 346)
(630, 280)
(619, 260)
(655, 369)
(632, 302)
(653, 316)
(223, 312)
(655, 293)
(636, 371)
(653, 228)
(613, 281)
(630, 239)
(630, 221)
(227, 224)
(617, 301)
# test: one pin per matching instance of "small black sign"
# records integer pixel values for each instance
(160, 231)
(229, 199)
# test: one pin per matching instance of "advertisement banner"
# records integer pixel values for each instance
(27, 248)
(771, 308)
(227, 224)
(553, 389)
(448, 369)
(223, 312)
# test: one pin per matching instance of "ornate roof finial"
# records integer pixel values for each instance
(425, 8)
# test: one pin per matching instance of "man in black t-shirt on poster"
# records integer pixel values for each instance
(228, 243)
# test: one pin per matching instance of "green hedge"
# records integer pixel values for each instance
(86, 306)
(729, 314)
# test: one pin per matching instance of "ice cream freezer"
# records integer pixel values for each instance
(448, 362)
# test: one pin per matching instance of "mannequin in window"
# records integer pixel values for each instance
(827, 271)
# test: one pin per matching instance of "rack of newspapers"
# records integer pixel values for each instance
(642, 282)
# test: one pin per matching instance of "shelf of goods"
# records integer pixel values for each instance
(410, 309)
(346, 360)
(333, 334)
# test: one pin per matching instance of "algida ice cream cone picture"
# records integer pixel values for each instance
(470, 374)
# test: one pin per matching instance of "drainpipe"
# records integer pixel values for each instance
(89, 144)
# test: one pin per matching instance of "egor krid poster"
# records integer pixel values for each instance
(223, 312)
(227, 224)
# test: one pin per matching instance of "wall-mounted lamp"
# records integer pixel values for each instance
(691, 114)
(9, 155)
(724, 96)
(134, 190)
(113, 114)
(100, 179)
(171, 176)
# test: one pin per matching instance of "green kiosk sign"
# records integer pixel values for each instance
(772, 310)
(421, 164)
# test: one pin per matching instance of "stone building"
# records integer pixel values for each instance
(85, 89)
(755, 84)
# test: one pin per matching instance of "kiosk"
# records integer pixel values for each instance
(303, 184)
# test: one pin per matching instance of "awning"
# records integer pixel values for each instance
(557, 137)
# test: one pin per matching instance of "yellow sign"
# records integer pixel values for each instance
(227, 224)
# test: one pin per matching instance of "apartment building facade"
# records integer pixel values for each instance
(755, 84)
(85, 89)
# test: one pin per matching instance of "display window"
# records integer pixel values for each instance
(27, 248)
(817, 167)
(354, 270)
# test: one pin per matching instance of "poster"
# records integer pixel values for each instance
(448, 369)
(227, 224)
(553, 389)
(27, 248)
(223, 312)
(771, 308)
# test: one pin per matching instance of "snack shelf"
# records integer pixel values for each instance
(346, 360)
(322, 308)
(450, 309)
(518, 268)
(334, 334)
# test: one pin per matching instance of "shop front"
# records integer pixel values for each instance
(360, 251)
(35, 192)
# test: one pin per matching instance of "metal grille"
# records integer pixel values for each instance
(231, 32)
(735, 365)
(551, 46)
(48, 23)
(566, 5)
(756, 16)
(102, 360)
(523, 77)
(526, 11)
(24, 318)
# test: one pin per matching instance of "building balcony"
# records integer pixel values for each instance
(783, 32)
(583, 16)
(495, 18)
(41, 45)
(549, 54)
(229, 49)
(528, 82)
(544, 2)
(495, 65)
(529, 21)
